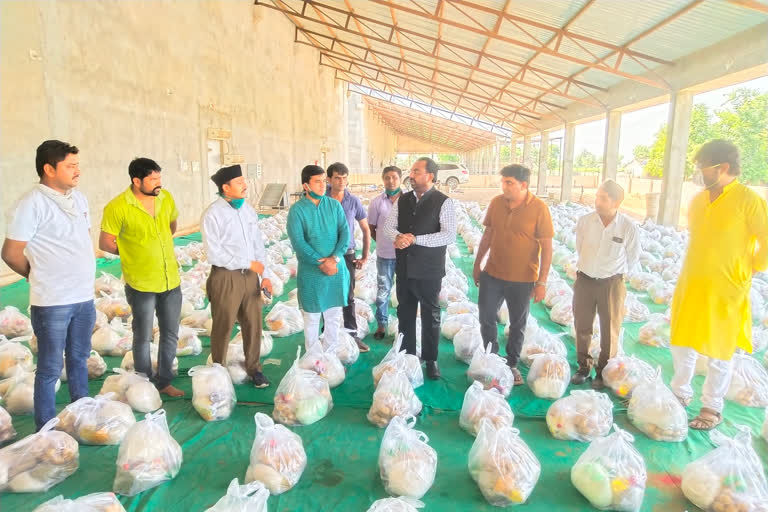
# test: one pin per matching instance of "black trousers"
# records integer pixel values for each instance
(412, 293)
(518, 296)
(350, 320)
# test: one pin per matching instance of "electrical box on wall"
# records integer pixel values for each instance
(229, 159)
(219, 134)
(254, 171)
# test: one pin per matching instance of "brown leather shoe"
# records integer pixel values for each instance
(380, 333)
(172, 391)
(362, 346)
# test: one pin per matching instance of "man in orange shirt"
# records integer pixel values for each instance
(518, 232)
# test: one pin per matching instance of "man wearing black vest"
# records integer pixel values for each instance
(422, 223)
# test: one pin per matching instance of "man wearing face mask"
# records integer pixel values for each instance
(138, 225)
(378, 211)
(319, 233)
(239, 272)
(608, 248)
(728, 225)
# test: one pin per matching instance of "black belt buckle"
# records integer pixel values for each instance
(244, 271)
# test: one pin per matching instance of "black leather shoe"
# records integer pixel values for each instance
(433, 372)
(579, 378)
(597, 383)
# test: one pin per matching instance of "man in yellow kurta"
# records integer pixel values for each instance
(728, 224)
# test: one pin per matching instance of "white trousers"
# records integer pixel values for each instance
(332, 317)
(715, 384)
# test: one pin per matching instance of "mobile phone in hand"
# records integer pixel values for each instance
(266, 293)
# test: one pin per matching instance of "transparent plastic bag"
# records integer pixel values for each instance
(396, 359)
(462, 307)
(503, 466)
(641, 281)
(562, 313)
(656, 411)
(199, 319)
(655, 332)
(624, 373)
(729, 478)
(277, 456)
(557, 291)
(96, 502)
(363, 310)
(407, 464)
(393, 396)
(399, 504)
(542, 342)
(39, 461)
(759, 339)
(765, 427)
(213, 395)
(661, 293)
(449, 294)
(284, 320)
(549, 375)
(114, 306)
(235, 363)
(611, 473)
(148, 456)
(634, 310)
(491, 370)
(95, 364)
(7, 432)
(97, 421)
(466, 342)
(581, 416)
(502, 315)
(749, 383)
(134, 389)
(154, 349)
(346, 349)
(108, 284)
(251, 497)
(324, 363)
(302, 397)
(189, 343)
(13, 355)
(452, 324)
(115, 339)
(267, 341)
(17, 392)
(488, 404)
(13, 323)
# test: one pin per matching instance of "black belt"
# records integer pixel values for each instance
(240, 270)
(598, 279)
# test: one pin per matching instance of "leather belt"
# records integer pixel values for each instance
(599, 279)
(240, 270)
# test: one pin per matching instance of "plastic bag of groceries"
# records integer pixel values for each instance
(452, 324)
(251, 497)
(655, 332)
(488, 404)
(765, 428)
(235, 363)
(557, 291)
(466, 342)
(661, 293)
(407, 464)
(503, 466)
(549, 375)
(641, 281)
(113, 340)
(393, 396)
(277, 456)
(98, 421)
(7, 432)
(759, 339)
(634, 310)
(364, 310)
(346, 348)
(17, 392)
(324, 363)
(656, 411)
(128, 365)
(133, 388)
(449, 294)
(396, 359)
(302, 397)
(749, 383)
(399, 504)
(624, 373)
(491, 370)
(96, 502)
(108, 284)
(148, 456)
(267, 342)
(461, 307)
(189, 343)
(199, 319)
(562, 313)
(284, 320)
(14, 355)
(114, 306)
(729, 478)
(581, 416)
(611, 473)
(542, 342)
(14, 323)
(95, 364)
(213, 395)
(39, 461)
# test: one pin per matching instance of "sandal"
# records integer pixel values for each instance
(517, 376)
(706, 420)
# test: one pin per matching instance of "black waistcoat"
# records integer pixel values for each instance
(422, 218)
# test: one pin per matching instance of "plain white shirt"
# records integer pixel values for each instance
(59, 248)
(232, 238)
(605, 251)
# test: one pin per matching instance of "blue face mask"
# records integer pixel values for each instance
(234, 203)
(391, 193)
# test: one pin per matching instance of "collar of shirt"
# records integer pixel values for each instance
(131, 199)
(528, 199)
(416, 196)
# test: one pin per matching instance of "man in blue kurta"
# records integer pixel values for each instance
(318, 230)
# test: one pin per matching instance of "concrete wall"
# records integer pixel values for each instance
(372, 144)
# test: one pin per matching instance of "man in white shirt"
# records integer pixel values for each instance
(235, 249)
(608, 247)
(49, 243)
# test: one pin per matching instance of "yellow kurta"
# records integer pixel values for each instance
(728, 240)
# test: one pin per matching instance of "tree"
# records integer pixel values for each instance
(745, 123)
(553, 158)
(586, 159)
(701, 131)
(641, 154)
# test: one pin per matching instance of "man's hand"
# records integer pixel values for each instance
(267, 285)
(257, 267)
(476, 274)
(404, 240)
(328, 266)
(359, 263)
(539, 290)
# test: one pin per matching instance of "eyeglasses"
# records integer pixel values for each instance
(700, 168)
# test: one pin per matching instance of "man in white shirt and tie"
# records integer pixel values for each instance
(607, 243)
(235, 249)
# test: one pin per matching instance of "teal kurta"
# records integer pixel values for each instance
(318, 232)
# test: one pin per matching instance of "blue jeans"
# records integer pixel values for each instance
(386, 272)
(61, 330)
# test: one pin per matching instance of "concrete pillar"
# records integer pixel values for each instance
(566, 183)
(527, 152)
(678, 128)
(512, 150)
(541, 184)
(611, 148)
(497, 160)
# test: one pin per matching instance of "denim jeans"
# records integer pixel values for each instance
(64, 329)
(386, 272)
(168, 307)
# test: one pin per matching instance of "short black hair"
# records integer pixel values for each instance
(52, 152)
(719, 151)
(310, 170)
(517, 171)
(431, 167)
(337, 168)
(613, 189)
(142, 167)
(392, 168)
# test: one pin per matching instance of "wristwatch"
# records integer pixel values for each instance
(541, 283)
(338, 259)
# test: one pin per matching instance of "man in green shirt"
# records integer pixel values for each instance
(138, 225)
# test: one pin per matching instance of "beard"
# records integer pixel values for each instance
(154, 192)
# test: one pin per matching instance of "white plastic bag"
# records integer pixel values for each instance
(96, 502)
(199, 319)
(503, 466)
(557, 291)
(452, 324)
(396, 359)
(17, 392)
(491, 370)
(148, 456)
(189, 343)
(213, 395)
(581, 416)
(302, 397)
(107, 284)
(7, 432)
(284, 320)
(393, 396)
(115, 339)
(95, 364)
(611, 473)
(624, 373)
(562, 313)
(99, 421)
(407, 464)
(466, 342)
(462, 307)
(14, 355)
(399, 504)
(114, 306)
(542, 342)
(749, 383)
(133, 389)
(13, 323)
(655, 332)
(656, 411)
(634, 310)
(251, 497)
(549, 375)
(277, 456)
(346, 348)
(235, 363)
(488, 404)
(324, 363)
(154, 349)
